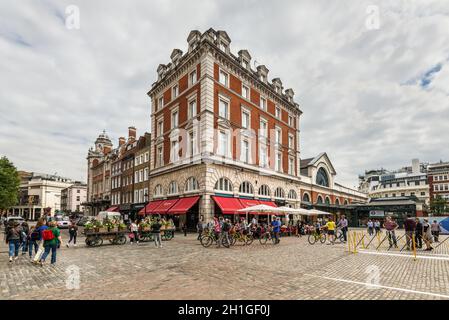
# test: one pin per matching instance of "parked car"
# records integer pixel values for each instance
(62, 222)
(82, 221)
(19, 219)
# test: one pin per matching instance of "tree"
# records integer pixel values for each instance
(438, 205)
(9, 184)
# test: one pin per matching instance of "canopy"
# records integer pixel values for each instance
(319, 212)
(299, 211)
(248, 202)
(113, 209)
(149, 208)
(183, 205)
(228, 205)
(268, 203)
(165, 206)
(261, 208)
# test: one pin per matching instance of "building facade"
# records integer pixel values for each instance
(438, 179)
(39, 192)
(72, 198)
(223, 135)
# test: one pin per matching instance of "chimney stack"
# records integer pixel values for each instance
(121, 141)
(131, 133)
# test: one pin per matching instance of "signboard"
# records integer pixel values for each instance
(377, 213)
(442, 221)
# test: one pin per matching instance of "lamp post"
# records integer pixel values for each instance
(146, 200)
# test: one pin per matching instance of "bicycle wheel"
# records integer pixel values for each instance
(263, 239)
(311, 238)
(206, 241)
(121, 240)
(340, 236)
(249, 239)
(323, 238)
(225, 243)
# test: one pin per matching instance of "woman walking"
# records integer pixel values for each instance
(427, 235)
(135, 232)
(52, 238)
(13, 239)
(33, 241)
(40, 227)
(24, 241)
(73, 232)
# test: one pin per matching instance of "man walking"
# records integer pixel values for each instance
(225, 227)
(418, 233)
(436, 229)
(390, 226)
(410, 227)
(276, 224)
(343, 225)
(156, 230)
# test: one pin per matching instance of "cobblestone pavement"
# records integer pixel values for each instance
(183, 269)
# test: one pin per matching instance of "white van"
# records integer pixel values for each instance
(110, 215)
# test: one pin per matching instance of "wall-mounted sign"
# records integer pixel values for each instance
(377, 213)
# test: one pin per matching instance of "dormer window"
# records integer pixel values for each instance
(223, 47)
(245, 64)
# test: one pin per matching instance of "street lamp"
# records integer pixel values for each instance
(146, 199)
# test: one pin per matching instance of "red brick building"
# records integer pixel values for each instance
(224, 136)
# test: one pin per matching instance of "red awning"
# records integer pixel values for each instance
(112, 209)
(228, 205)
(149, 208)
(268, 203)
(165, 206)
(183, 205)
(248, 203)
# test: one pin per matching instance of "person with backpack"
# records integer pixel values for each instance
(52, 238)
(33, 241)
(13, 239)
(156, 230)
(200, 227)
(25, 233)
(40, 227)
(225, 228)
(73, 232)
(410, 228)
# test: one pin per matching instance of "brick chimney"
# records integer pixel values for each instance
(121, 141)
(131, 133)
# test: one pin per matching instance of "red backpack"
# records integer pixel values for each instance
(48, 235)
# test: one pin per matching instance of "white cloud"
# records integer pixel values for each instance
(358, 88)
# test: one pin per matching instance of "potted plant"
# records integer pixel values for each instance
(89, 227)
(98, 226)
(108, 225)
(121, 226)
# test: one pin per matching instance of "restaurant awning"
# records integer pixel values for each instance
(268, 203)
(113, 209)
(149, 208)
(249, 202)
(183, 205)
(228, 205)
(165, 206)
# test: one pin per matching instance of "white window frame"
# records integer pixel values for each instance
(278, 161)
(160, 155)
(263, 160)
(228, 103)
(245, 152)
(278, 112)
(173, 188)
(175, 91)
(223, 76)
(160, 103)
(195, 80)
(160, 127)
(291, 166)
(263, 106)
(263, 133)
(172, 122)
(291, 141)
(248, 92)
(278, 135)
(191, 143)
(248, 114)
(191, 113)
(223, 143)
(174, 150)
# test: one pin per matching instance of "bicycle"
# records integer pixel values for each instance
(316, 236)
(240, 236)
(213, 237)
(268, 235)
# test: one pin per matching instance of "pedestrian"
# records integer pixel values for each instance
(224, 234)
(73, 232)
(427, 235)
(135, 232)
(330, 226)
(377, 226)
(200, 227)
(418, 233)
(40, 227)
(390, 226)
(51, 237)
(156, 230)
(343, 225)
(276, 224)
(436, 229)
(410, 227)
(370, 225)
(24, 239)
(13, 239)
(184, 228)
(33, 241)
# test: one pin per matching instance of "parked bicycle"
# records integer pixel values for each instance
(316, 236)
(212, 237)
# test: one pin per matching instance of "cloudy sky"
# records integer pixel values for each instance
(374, 88)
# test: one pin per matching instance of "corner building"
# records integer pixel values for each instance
(223, 136)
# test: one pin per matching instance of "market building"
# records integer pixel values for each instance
(224, 137)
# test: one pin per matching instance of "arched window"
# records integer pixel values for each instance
(305, 197)
(264, 190)
(346, 202)
(319, 199)
(246, 187)
(223, 184)
(158, 190)
(173, 187)
(292, 194)
(337, 202)
(327, 200)
(322, 178)
(191, 184)
(279, 193)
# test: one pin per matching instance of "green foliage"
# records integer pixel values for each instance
(439, 205)
(9, 184)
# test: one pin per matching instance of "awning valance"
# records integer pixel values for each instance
(228, 205)
(183, 205)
